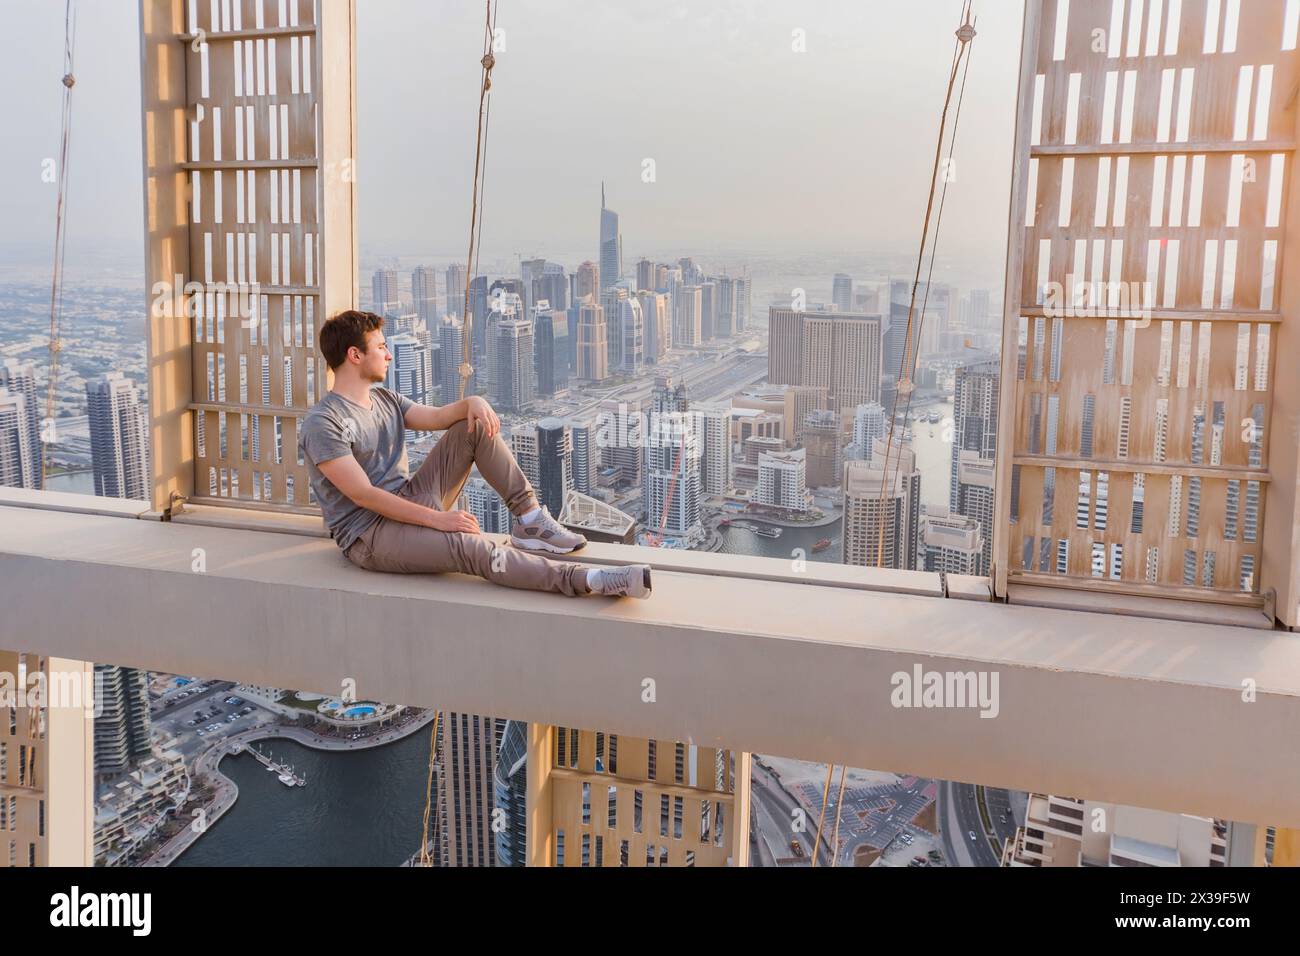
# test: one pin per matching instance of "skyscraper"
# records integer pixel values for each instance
(743, 294)
(586, 281)
(510, 790)
(974, 415)
(585, 454)
(632, 335)
(592, 348)
(687, 322)
(671, 493)
(20, 379)
(554, 463)
(724, 314)
(713, 425)
(411, 372)
(122, 729)
(611, 299)
(975, 310)
(119, 437)
(479, 307)
(504, 304)
(876, 496)
(842, 296)
(820, 437)
(840, 352)
(482, 501)
(950, 543)
(611, 245)
(551, 340)
(513, 375)
(658, 328)
(16, 456)
(523, 445)
(798, 401)
(620, 441)
(470, 744)
(553, 286)
(783, 480)
(424, 293)
(456, 291)
(975, 499)
(894, 339)
(869, 423)
(385, 297)
(531, 272)
(645, 275)
(974, 446)
(451, 339)
(708, 310)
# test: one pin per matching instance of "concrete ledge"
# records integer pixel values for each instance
(1133, 605)
(246, 520)
(596, 553)
(741, 566)
(78, 504)
(1134, 711)
(965, 587)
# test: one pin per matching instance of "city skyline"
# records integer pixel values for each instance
(776, 100)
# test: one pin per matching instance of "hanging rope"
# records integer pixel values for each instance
(961, 51)
(906, 371)
(465, 369)
(821, 821)
(60, 230)
(425, 840)
(486, 64)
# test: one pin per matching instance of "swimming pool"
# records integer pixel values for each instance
(362, 710)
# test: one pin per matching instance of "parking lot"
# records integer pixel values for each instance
(204, 710)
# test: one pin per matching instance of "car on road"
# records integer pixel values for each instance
(972, 835)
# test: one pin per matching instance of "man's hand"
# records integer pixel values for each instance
(454, 522)
(347, 475)
(478, 410)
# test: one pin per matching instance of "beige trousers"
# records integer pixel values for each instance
(411, 549)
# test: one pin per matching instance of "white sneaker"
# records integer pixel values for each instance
(631, 580)
(545, 534)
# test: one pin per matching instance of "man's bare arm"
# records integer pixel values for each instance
(474, 410)
(347, 475)
(430, 418)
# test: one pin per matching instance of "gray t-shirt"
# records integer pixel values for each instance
(375, 436)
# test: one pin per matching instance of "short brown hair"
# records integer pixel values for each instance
(345, 330)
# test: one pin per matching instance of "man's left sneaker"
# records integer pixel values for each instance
(544, 533)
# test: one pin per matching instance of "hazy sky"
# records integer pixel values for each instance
(756, 146)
